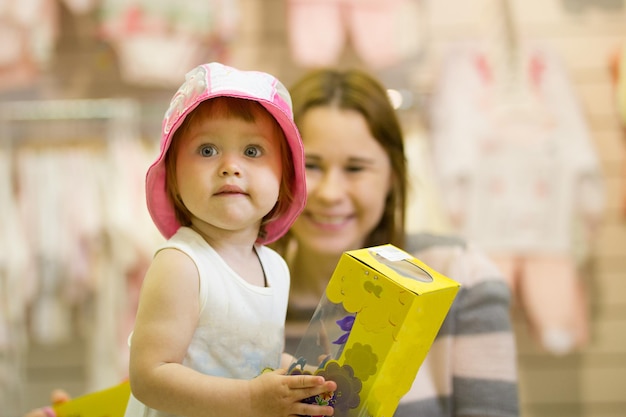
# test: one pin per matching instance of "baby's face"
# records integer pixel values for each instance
(228, 171)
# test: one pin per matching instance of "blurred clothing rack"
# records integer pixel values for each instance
(69, 109)
(54, 122)
(74, 227)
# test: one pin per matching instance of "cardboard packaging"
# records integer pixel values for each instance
(109, 402)
(373, 328)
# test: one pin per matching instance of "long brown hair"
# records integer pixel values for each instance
(357, 90)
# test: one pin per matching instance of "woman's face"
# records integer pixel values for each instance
(348, 177)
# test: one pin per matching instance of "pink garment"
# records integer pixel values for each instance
(516, 177)
(28, 31)
(521, 178)
(383, 32)
(618, 70)
(617, 66)
(552, 297)
(158, 41)
(81, 7)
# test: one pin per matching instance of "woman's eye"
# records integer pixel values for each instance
(354, 168)
(311, 166)
(252, 151)
(207, 150)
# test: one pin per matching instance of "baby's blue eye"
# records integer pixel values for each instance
(207, 150)
(252, 151)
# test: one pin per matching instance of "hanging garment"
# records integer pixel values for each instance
(39, 187)
(519, 177)
(620, 83)
(81, 7)
(383, 32)
(516, 179)
(616, 65)
(16, 279)
(63, 236)
(425, 211)
(552, 297)
(158, 41)
(131, 238)
(17, 276)
(617, 69)
(79, 195)
(28, 31)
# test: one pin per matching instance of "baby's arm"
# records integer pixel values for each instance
(166, 321)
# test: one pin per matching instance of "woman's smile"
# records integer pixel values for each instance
(329, 220)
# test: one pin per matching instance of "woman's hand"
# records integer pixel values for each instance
(57, 396)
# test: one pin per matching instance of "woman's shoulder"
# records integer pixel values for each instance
(417, 242)
(454, 257)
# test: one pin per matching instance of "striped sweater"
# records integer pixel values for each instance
(471, 369)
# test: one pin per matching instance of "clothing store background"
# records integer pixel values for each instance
(101, 80)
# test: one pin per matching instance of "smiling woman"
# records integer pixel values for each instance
(356, 195)
(348, 177)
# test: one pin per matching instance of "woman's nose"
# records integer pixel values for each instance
(330, 187)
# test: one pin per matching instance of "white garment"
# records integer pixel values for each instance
(425, 210)
(158, 41)
(241, 326)
(518, 178)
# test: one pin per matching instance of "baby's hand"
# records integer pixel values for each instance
(274, 394)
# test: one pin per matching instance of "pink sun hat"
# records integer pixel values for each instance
(217, 80)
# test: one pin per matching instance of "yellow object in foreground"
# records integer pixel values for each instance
(372, 330)
(110, 402)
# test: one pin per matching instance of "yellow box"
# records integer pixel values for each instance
(373, 328)
(109, 402)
